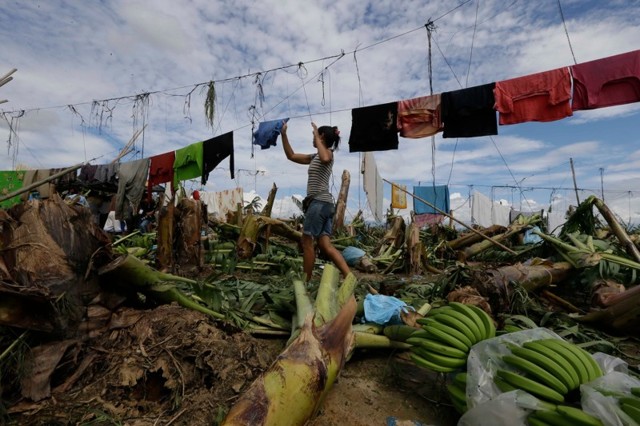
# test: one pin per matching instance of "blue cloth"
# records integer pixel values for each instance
(437, 195)
(267, 133)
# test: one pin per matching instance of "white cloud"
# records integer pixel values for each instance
(70, 53)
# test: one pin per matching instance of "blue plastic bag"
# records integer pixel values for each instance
(352, 255)
(383, 310)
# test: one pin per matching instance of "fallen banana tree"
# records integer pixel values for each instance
(294, 387)
(622, 312)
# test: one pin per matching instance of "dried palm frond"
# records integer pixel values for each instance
(210, 103)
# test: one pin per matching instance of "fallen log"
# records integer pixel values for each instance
(494, 284)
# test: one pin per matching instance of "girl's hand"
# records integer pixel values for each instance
(284, 127)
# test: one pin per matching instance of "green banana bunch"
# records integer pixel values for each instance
(550, 368)
(447, 335)
(631, 404)
(562, 415)
(458, 392)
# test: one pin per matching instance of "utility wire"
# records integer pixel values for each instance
(564, 23)
(252, 74)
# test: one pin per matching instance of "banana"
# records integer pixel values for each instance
(510, 328)
(532, 420)
(536, 346)
(422, 333)
(421, 362)
(502, 385)
(461, 407)
(630, 400)
(437, 347)
(438, 310)
(590, 364)
(631, 411)
(578, 417)
(457, 395)
(445, 361)
(458, 321)
(545, 362)
(474, 322)
(398, 332)
(635, 391)
(449, 335)
(536, 371)
(461, 379)
(536, 388)
(553, 418)
(575, 360)
(489, 326)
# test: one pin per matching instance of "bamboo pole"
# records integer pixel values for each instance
(457, 221)
(40, 182)
(127, 148)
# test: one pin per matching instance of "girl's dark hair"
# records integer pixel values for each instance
(331, 136)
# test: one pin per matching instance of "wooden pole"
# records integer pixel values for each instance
(456, 220)
(37, 184)
(575, 185)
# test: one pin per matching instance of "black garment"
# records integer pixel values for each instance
(469, 112)
(374, 128)
(87, 173)
(215, 150)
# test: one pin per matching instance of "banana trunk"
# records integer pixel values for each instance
(292, 390)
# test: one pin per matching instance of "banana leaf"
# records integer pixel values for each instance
(292, 390)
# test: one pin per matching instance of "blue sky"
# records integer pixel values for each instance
(75, 53)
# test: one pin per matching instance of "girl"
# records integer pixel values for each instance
(319, 204)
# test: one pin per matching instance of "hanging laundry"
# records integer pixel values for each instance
(543, 96)
(10, 181)
(215, 150)
(373, 185)
(188, 163)
(160, 171)
(485, 212)
(374, 128)
(469, 112)
(437, 195)
(267, 133)
(131, 183)
(555, 222)
(398, 196)
(419, 117)
(107, 173)
(426, 219)
(43, 191)
(87, 173)
(610, 81)
(227, 201)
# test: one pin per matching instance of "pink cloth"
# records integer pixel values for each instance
(419, 117)
(428, 219)
(543, 96)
